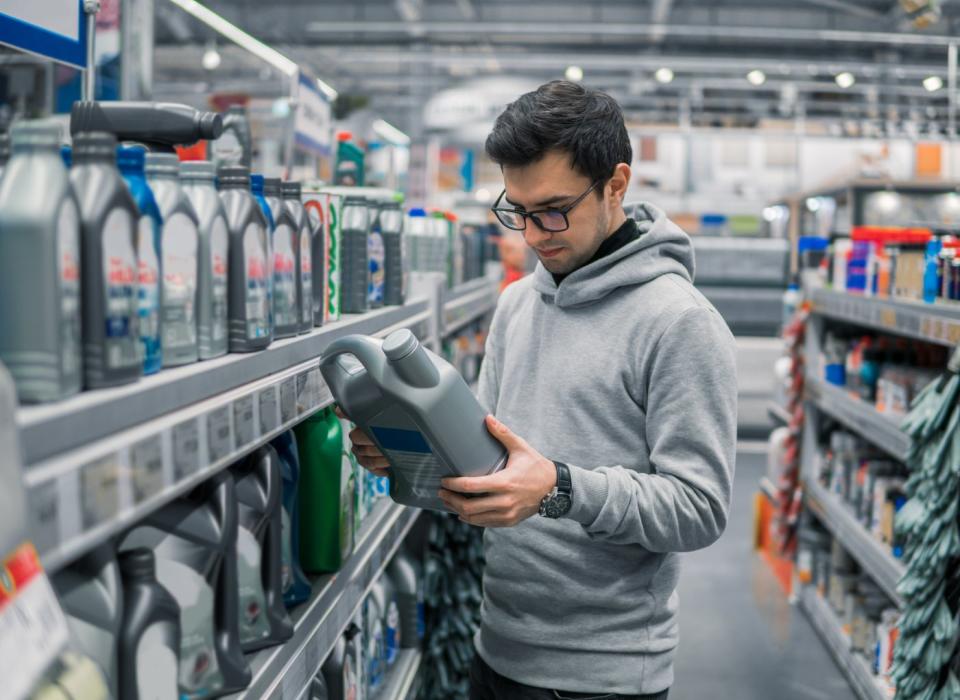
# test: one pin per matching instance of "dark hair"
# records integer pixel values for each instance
(562, 115)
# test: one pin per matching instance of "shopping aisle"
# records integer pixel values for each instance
(739, 637)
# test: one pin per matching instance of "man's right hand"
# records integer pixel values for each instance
(368, 455)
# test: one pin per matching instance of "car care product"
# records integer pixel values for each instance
(91, 595)
(303, 253)
(213, 254)
(159, 125)
(296, 586)
(256, 189)
(342, 669)
(314, 204)
(391, 227)
(355, 255)
(149, 642)
(326, 494)
(248, 309)
(410, 401)
(348, 170)
(263, 618)
(415, 237)
(130, 160)
(334, 241)
(386, 593)
(179, 247)
(111, 309)
(374, 642)
(235, 145)
(406, 575)
(376, 255)
(283, 244)
(40, 262)
(194, 540)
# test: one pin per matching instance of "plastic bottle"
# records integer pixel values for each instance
(392, 629)
(326, 494)
(158, 124)
(234, 147)
(931, 271)
(409, 400)
(391, 227)
(149, 227)
(314, 204)
(4, 150)
(303, 253)
(374, 647)
(296, 586)
(349, 169)
(406, 575)
(108, 219)
(213, 257)
(180, 247)
(40, 261)
(263, 618)
(355, 256)
(194, 540)
(417, 244)
(149, 642)
(342, 669)
(248, 307)
(91, 595)
(284, 242)
(377, 257)
(256, 189)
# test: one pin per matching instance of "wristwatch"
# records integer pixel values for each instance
(558, 502)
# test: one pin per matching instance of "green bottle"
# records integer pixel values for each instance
(325, 494)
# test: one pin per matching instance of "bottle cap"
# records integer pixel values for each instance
(94, 146)
(234, 176)
(138, 563)
(291, 190)
(162, 164)
(198, 170)
(271, 186)
(399, 344)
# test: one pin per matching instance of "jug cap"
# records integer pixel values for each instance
(417, 212)
(94, 146)
(399, 344)
(271, 186)
(198, 170)
(291, 190)
(35, 132)
(234, 176)
(139, 563)
(256, 183)
(162, 164)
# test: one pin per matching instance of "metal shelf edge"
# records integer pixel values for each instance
(400, 680)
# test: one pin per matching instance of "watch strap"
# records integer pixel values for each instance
(564, 481)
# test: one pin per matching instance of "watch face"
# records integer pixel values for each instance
(558, 506)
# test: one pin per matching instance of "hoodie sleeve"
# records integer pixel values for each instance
(691, 429)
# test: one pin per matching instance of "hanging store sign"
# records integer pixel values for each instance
(313, 123)
(55, 29)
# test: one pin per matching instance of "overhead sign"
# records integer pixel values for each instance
(55, 29)
(313, 124)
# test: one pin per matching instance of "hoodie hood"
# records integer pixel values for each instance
(662, 249)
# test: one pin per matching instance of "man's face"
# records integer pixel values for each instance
(551, 182)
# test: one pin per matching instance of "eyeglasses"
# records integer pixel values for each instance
(551, 219)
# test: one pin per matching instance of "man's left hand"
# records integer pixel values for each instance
(511, 495)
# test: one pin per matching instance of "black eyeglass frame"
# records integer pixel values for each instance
(563, 211)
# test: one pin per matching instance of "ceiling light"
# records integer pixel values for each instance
(756, 78)
(574, 73)
(845, 79)
(211, 58)
(933, 83)
(664, 75)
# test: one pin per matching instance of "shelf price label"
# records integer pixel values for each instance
(146, 461)
(186, 449)
(269, 420)
(305, 393)
(100, 490)
(219, 434)
(243, 420)
(44, 508)
(288, 400)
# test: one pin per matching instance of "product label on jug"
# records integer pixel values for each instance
(284, 277)
(334, 243)
(148, 276)
(219, 250)
(121, 305)
(156, 663)
(349, 680)
(306, 277)
(179, 250)
(254, 625)
(257, 300)
(378, 277)
(411, 455)
(68, 271)
(392, 636)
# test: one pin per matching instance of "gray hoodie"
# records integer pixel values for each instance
(626, 373)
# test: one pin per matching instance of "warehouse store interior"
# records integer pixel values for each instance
(266, 268)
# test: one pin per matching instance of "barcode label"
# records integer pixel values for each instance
(288, 400)
(269, 421)
(146, 458)
(219, 434)
(243, 420)
(186, 449)
(100, 490)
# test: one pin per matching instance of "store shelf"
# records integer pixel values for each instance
(402, 678)
(859, 416)
(467, 303)
(778, 412)
(854, 667)
(873, 556)
(285, 672)
(935, 323)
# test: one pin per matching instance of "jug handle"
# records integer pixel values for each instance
(365, 349)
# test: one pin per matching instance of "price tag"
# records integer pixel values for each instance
(953, 333)
(100, 490)
(146, 460)
(304, 394)
(288, 400)
(243, 420)
(888, 318)
(219, 434)
(186, 449)
(269, 420)
(44, 505)
(33, 629)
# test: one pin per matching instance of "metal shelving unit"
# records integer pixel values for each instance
(467, 303)
(285, 672)
(402, 680)
(854, 667)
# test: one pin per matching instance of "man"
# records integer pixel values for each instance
(613, 384)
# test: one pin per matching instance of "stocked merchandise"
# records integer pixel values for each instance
(235, 144)
(465, 351)
(296, 586)
(333, 305)
(40, 261)
(4, 151)
(213, 255)
(406, 573)
(374, 641)
(405, 397)
(349, 168)
(315, 205)
(343, 670)
(391, 221)
(284, 243)
(180, 251)
(303, 253)
(377, 256)
(158, 125)
(356, 268)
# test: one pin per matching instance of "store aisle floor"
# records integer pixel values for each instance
(740, 639)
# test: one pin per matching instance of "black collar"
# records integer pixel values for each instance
(627, 233)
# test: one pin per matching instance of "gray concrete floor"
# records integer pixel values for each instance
(740, 639)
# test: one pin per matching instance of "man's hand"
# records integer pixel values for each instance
(511, 495)
(367, 454)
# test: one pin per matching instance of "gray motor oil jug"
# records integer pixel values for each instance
(149, 641)
(40, 262)
(194, 541)
(4, 150)
(315, 204)
(416, 408)
(159, 125)
(110, 267)
(409, 590)
(286, 316)
(263, 617)
(179, 247)
(342, 670)
(198, 179)
(303, 253)
(248, 307)
(355, 255)
(91, 594)
(391, 228)
(389, 602)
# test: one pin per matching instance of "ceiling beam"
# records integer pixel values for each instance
(659, 16)
(849, 7)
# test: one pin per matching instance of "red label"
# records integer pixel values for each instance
(19, 569)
